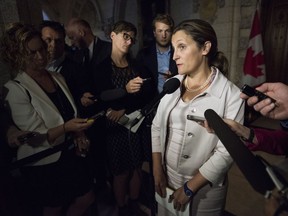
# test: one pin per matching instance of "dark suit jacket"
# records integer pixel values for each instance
(75, 77)
(147, 60)
(101, 50)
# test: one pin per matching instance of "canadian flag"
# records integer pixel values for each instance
(254, 66)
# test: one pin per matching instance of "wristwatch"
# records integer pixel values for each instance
(189, 193)
(251, 136)
(284, 123)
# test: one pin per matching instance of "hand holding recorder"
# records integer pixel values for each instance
(270, 99)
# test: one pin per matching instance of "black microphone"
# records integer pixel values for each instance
(250, 165)
(110, 95)
(169, 87)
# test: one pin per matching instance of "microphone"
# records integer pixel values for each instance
(169, 87)
(250, 165)
(110, 95)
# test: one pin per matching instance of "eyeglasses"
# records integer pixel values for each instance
(128, 37)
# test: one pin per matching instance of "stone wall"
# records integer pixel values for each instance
(230, 19)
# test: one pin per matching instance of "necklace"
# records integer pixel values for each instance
(200, 87)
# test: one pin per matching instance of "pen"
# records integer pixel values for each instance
(146, 79)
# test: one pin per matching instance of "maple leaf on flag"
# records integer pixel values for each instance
(254, 64)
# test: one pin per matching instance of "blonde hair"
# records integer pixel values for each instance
(13, 44)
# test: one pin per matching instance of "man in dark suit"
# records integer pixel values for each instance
(91, 49)
(157, 58)
(53, 33)
(90, 52)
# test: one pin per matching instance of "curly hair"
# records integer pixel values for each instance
(14, 42)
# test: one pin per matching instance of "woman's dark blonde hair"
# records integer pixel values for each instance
(14, 44)
(201, 31)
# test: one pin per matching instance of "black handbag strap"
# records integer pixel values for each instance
(35, 157)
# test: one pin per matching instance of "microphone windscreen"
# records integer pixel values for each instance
(171, 85)
(112, 94)
(251, 166)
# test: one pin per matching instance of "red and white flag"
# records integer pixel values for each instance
(254, 66)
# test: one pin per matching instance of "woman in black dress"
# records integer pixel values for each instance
(124, 148)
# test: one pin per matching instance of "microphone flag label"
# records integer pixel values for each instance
(254, 66)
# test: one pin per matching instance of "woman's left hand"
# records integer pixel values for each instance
(179, 198)
(82, 144)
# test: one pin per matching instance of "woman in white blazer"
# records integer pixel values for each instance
(185, 156)
(40, 101)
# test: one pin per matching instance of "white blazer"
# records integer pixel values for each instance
(32, 110)
(200, 150)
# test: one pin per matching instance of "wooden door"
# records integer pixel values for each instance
(274, 17)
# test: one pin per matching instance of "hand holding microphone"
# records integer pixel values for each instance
(252, 168)
(169, 87)
(87, 99)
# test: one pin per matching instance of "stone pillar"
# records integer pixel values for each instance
(8, 13)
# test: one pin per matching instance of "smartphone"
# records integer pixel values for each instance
(196, 118)
(165, 74)
(248, 90)
(23, 138)
(98, 115)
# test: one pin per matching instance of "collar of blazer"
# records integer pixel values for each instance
(35, 90)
